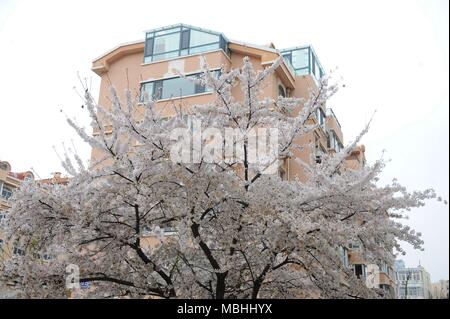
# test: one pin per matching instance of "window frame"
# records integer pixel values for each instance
(158, 84)
(313, 60)
(8, 189)
(149, 54)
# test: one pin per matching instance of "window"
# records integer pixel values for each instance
(304, 61)
(166, 43)
(18, 251)
(383, 267)
(42, 256)
(172, 88)
(281, 91)
(354, 246)
(184, 43)
(333, 142)
(320, 115)
(319, 150)
(360, 271)
(199, 38)
(415, 291)
(6, 192)
(180, 41)
(344, 256)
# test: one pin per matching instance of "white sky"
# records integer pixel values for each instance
(393, 56)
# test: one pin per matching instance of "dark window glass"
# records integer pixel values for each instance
(149, 46)
(184, 39)
(281, 91)
(359, 271)
(288, 57)
(223, 44)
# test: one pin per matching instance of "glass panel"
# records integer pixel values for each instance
(167, 43)
(149, 46)
(148, 59)
(288, 57)
(281, 91)
(6, 192)
(163, 56)
(157, 89)
(177, 87)
(173, 88)
(204, 48)
(200, 38)
(185, 39)
(147, 91)
(300, 58)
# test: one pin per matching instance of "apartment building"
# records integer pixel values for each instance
(151, 66)
(9, 181)
(413, 282)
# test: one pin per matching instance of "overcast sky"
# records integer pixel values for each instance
(393, 57)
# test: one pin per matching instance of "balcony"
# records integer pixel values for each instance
(304, 61)
(181, 40)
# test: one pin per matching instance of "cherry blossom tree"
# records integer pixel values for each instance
(137, 223)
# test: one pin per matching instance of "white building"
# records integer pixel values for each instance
(413, 283)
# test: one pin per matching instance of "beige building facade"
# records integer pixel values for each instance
(151, 66)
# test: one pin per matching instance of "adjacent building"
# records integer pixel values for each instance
(439, 290)
(9, 181)
(413, 282)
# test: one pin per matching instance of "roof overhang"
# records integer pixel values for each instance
(268, 55)
(101, 64)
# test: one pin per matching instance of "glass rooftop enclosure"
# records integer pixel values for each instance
(181, 40)
(303, 60)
